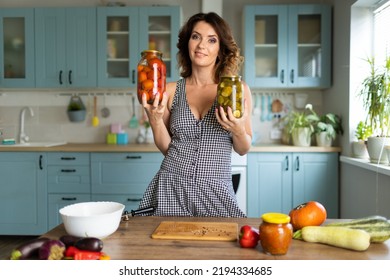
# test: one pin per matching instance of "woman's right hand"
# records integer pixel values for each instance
(155, 111)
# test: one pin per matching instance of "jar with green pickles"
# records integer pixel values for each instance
(230, 93)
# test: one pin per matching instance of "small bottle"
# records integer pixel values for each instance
(230, 93)
(275, 233)
(151, 75)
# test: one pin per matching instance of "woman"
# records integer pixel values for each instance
(192, 131)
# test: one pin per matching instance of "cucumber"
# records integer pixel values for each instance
(361, 221)
(28, 249)
(377, 226)
(342, 237)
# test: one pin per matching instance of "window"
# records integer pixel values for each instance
(381, 36)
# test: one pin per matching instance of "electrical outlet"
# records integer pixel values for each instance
(275, 134)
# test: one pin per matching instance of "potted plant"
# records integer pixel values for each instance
(376, 100)
(76, 110)
(327, 128)
(300, 125)
(359, 147)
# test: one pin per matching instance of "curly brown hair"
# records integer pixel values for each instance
(229, 59)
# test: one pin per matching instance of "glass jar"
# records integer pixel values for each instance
(230, 93)
(275, 233)
(152, 74)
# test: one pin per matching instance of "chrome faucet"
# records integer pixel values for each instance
(23, 138)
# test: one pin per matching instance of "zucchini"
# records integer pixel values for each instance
(377, 226)
(342, 237)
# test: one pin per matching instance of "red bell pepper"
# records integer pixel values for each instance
(248, 237)
(77, 254)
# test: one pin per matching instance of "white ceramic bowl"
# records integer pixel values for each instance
(92, 219)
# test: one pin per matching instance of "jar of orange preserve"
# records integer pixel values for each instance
(152, 73)
(275, 233)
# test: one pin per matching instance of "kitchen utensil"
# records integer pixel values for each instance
(269, 105)
(277, 106)
(92, 219)
(105, 111)
(217, 231)
(95, 119)
(126, 214)
(133, 121)
(263, 113)
(256, 109)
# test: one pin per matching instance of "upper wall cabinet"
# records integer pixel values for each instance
(124, 32)
(288, 46)
(65, 47)
(17, 48)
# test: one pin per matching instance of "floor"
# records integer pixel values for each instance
(8, 243)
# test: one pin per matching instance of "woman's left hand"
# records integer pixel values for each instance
(229, 122)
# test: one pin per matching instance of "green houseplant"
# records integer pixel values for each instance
(300, 125)
(326, 129)
(76, 110)
(375, 93)
(359, 147)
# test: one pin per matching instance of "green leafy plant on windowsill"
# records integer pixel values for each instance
(363, 131)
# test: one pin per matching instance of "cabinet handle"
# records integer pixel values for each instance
(133, 157)
(287, 163)
(134, 199)
(70, 77)
(60, 77)
(297, 165)
(40, 162)
(292, 76)
(68, 158)
(69, 198)
(68, 170)
(133, 76)
(282, 76)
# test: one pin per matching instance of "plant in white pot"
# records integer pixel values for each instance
(327, 128)
(376, 100)
(359, 147)
(300, 125)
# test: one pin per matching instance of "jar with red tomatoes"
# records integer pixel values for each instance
(152, 73)
(275, 233)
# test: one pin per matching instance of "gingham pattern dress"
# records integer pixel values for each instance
(195, 176)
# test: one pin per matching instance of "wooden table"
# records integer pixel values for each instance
(132, 241)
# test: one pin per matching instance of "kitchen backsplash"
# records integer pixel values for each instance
(51, 123)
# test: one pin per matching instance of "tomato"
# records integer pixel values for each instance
(249, 237)
(142, 76)
(311, 213)
(147, 84)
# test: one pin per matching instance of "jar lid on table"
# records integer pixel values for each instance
(276, 218)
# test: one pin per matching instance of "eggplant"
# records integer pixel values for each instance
(28, 249)
(69, 240)
(52, 250)
(89, 244)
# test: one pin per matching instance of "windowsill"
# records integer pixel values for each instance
(364, 163)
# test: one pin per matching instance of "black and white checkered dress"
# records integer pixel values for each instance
(195, 176)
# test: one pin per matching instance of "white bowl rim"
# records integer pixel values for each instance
(121, 207)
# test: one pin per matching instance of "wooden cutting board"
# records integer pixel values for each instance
(216, 231)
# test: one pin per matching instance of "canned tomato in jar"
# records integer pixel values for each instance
(152, 73)
(230, 93)
(275, 233)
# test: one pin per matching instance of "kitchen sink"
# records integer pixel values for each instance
(34, 144)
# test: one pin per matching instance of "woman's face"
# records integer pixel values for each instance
(203, 45)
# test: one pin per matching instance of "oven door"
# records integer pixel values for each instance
(239, 185)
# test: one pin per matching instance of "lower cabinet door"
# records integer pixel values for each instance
(57, 201)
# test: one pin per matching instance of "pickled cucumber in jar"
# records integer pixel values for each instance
(230, 93)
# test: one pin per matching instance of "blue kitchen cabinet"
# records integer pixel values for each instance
(123, 177)
(288, 46)
(17, 48)
(68, 182)
(65, 47)
(124, 32)
(278, 182)
(23, 193)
